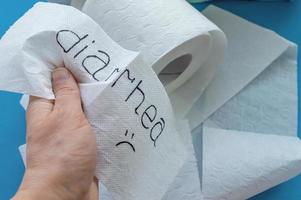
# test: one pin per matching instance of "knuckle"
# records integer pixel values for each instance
(67, 90)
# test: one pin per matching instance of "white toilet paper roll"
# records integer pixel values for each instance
(181, 45)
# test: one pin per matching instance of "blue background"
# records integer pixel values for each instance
(282, 17)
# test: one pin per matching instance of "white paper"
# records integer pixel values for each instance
(269, 104)
(118, 90)
(32, 64)
(163, 33)
(274, 160)
(24, 101)
(22, 150)
(251, 49)
(266, 104)
(187, 183)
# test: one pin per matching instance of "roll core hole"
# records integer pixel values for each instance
(174, 69)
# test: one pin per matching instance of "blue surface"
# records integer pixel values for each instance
(284, 18)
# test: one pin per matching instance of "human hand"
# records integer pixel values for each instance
(61, 148)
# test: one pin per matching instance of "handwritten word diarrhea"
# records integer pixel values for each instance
(95, 64)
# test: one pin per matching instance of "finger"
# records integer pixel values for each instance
(66, 91)
(38, 108)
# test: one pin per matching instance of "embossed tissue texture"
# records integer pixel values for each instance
(269, 104)
(238, 165)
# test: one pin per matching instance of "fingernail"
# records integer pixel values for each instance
(60, 74)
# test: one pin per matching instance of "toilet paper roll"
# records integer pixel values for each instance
(136, 135)
(181, 45)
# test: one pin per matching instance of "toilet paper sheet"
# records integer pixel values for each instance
(251, 49)
(136, 134)
(226, 175)
(22, 150)
(269, 104)
(187, 183)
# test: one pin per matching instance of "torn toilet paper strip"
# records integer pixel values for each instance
(118, 89)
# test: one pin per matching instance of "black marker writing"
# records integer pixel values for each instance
(127, 142)
(150, 113)
(139, 93)
(97, 65)
(73, 39)
(151, 110)
(93, 63)
(157, 130)
(126, 71)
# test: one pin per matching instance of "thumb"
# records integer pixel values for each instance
(66, 91)
(37, 109)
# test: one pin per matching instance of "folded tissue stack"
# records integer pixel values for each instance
(157, 76)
